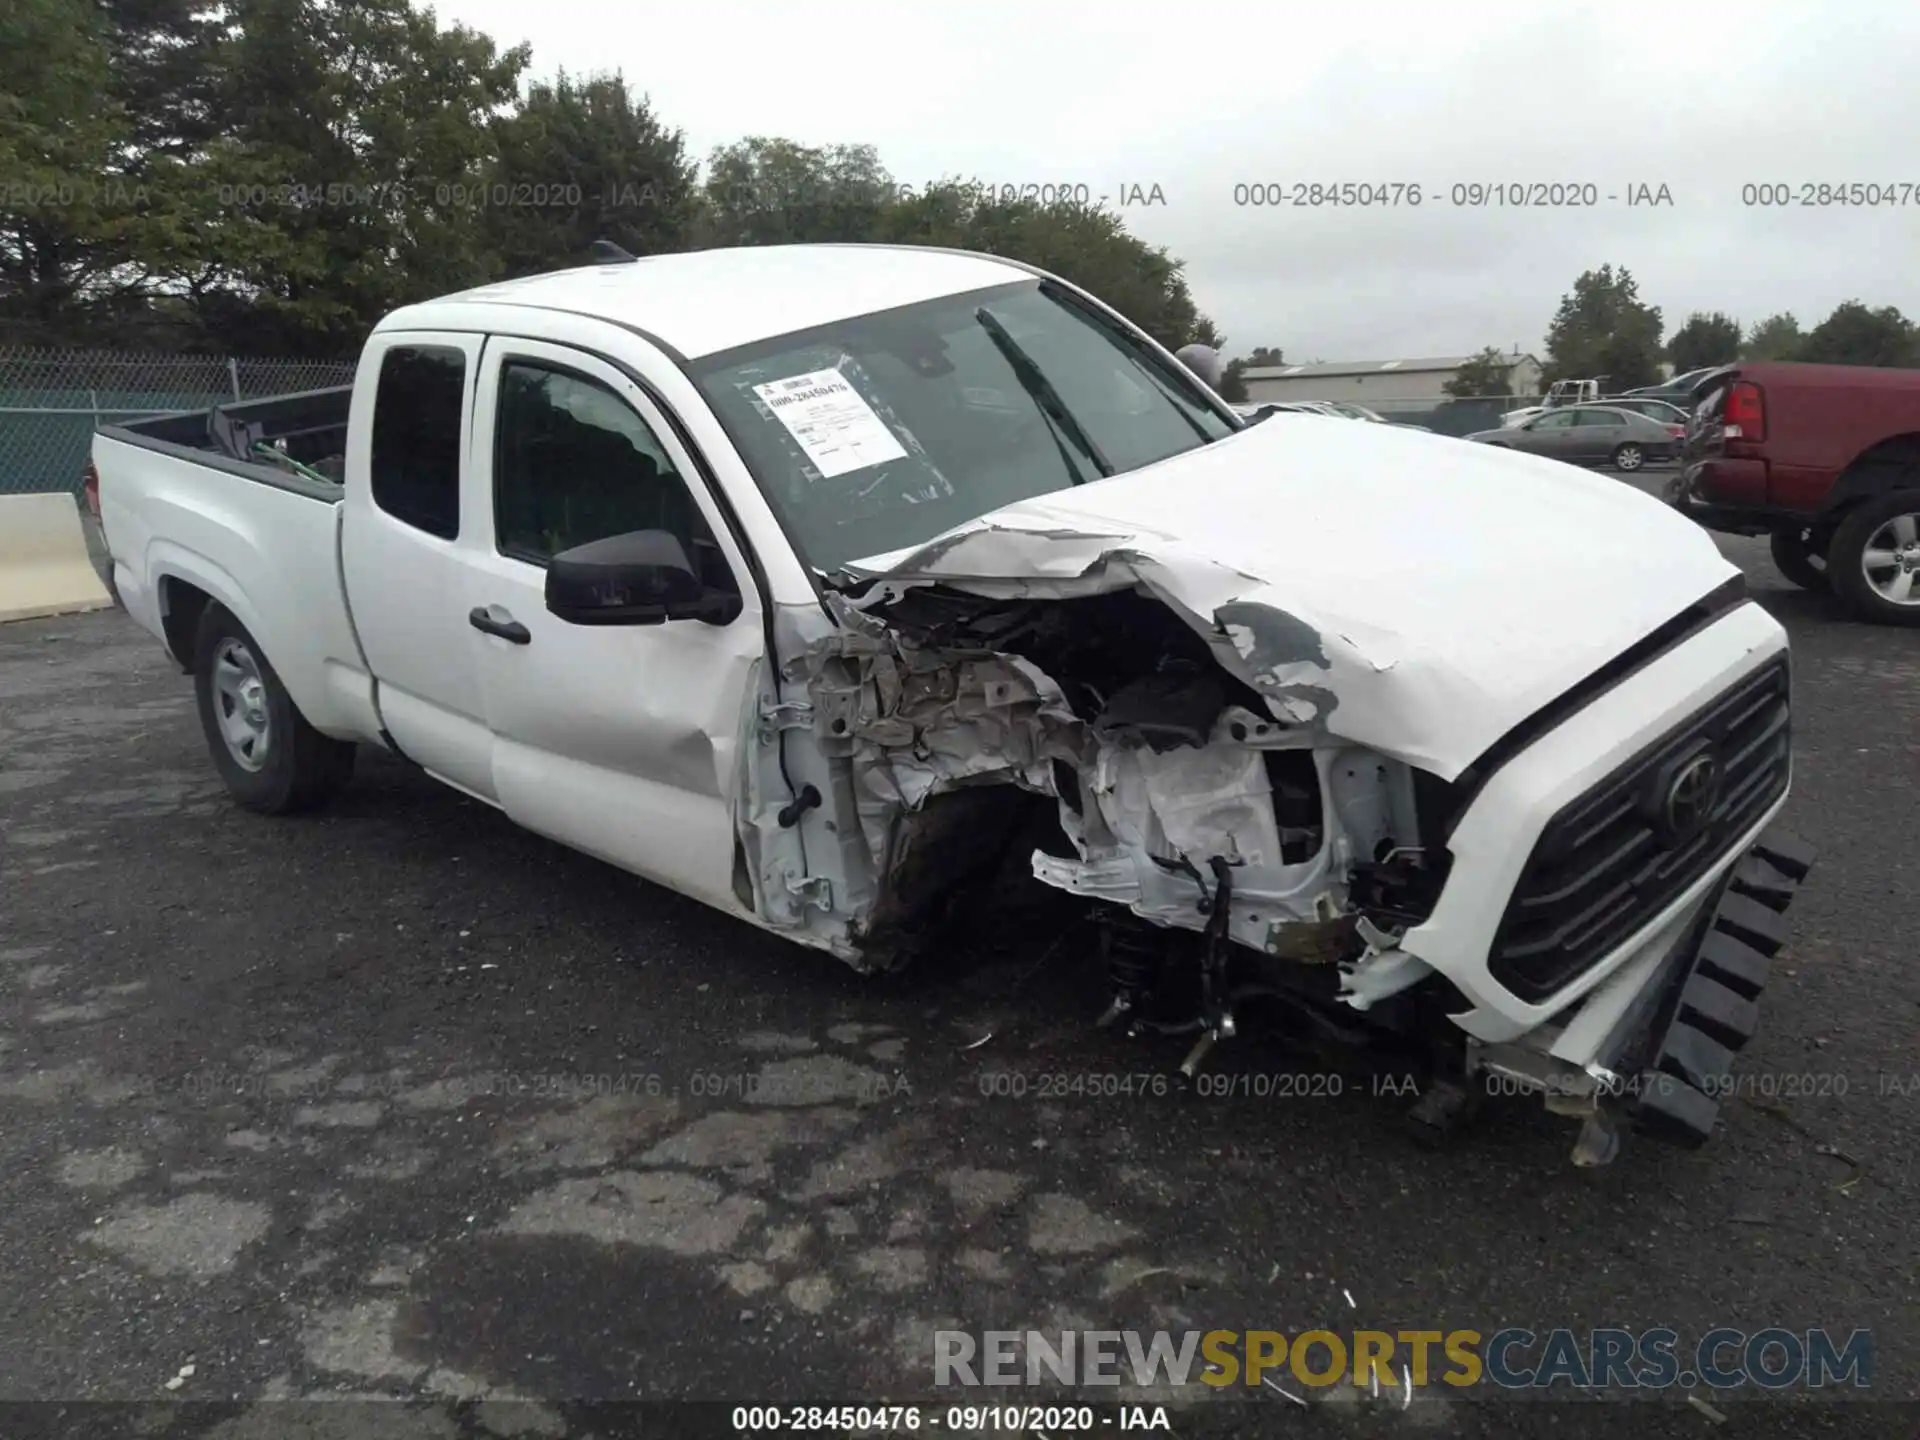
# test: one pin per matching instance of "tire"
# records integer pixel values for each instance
(1875, 527)
(289, 766)
(1800, 555)
(1629, 457)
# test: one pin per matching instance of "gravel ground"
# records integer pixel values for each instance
(401, 1101)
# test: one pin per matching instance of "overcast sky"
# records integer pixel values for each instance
(1198, 99)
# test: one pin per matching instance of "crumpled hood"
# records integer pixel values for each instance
(1410, 592)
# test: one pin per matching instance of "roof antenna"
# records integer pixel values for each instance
(605, 252)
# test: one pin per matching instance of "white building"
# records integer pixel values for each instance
(1361, 382)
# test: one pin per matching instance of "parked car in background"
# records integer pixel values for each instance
(1253, 410)
(1361, 412)
(1678, 391)
(1337, 409)
(1661, 410)
(1589, 435)
(1826, 460)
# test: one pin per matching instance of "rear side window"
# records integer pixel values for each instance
(416, 437)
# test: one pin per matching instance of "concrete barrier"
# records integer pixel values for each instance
(44, 565)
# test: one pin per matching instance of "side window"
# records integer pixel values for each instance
(1558, 420)
(573, 462)
(416, 437)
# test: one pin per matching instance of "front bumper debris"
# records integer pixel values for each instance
(1709, 1005)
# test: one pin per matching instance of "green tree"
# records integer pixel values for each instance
(1489, 372)
(1856, 335)
(1602, 328)
(162, 54)
(1705, 339)
(581, 161)
(291, 170)
(350, 179)
(1777, 337)
(1264, 356)
(68, 213)
(767, 191)
(1085, 244)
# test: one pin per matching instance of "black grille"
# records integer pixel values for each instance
(1612, 858)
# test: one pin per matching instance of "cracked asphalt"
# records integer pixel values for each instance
(400, 1101)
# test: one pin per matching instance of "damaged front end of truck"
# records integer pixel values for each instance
(1176, 725)
(1266, 802)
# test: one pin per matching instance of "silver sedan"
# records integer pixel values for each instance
(1590, 435)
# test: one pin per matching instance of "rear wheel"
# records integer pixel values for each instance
(1800, 555)
(272, 760)
(1629, 457)
(1874, 561)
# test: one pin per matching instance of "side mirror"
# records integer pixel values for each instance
(641, 578)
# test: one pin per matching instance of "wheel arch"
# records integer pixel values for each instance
(186, 583)
(1886, 465)
(182, 603)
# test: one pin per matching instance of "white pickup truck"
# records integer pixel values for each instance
(808, 580)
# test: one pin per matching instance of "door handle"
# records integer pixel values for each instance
(508, 629)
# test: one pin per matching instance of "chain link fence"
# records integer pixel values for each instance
(51, 401)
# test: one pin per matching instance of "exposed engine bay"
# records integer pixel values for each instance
(1242, 853)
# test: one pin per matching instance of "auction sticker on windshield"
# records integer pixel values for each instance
(832, 421)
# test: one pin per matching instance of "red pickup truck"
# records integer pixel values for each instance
(1826, 460)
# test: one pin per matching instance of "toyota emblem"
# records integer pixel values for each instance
(1690, 798)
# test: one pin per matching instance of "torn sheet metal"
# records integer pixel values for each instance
(1383, 587)
(897, 725)
(924, 722)
(910, 722)
(1156, 820)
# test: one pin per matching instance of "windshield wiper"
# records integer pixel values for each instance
(1145, 361)
(1041, 390)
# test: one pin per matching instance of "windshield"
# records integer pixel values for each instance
(880, 432)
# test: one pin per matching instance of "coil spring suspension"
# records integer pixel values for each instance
(1134, 954)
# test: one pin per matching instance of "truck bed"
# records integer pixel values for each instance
(300, 437)
(204, 505)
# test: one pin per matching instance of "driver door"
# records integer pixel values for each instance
(620, 740)
(1551, 434)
